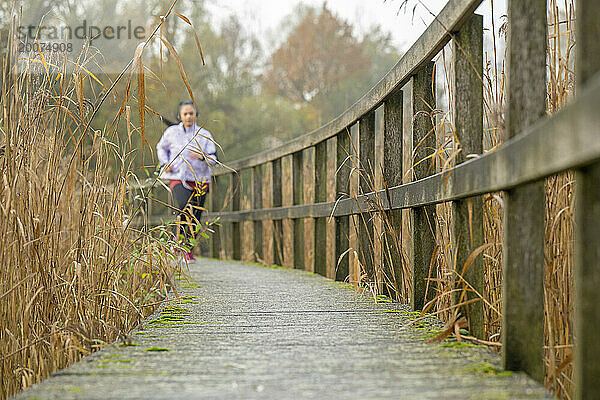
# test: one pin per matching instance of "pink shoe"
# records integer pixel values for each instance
(189, 256)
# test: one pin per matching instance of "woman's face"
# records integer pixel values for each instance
(188, 115)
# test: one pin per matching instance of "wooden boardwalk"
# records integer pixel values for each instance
(245, 331)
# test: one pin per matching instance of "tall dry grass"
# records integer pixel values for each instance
(76, 274)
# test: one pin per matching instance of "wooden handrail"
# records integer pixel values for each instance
(540, 151)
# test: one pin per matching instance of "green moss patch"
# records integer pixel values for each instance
(189, 285)
(114, 361)
(189, 300)
(157, 349)
(119, 366)
(167, 320)
(485, 368)
(174, 310)
(171, 315)
(458, 345)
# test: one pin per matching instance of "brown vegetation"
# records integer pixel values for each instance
(76, 275)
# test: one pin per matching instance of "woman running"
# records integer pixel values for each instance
(187, 152)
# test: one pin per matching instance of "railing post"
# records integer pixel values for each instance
(467, 214)
(216, 206)
(523, 281)
(342, 188)
(320, 229)
(298, 198)
(236, 234)
(277, 202)
(366, 138)
(423, 218)
(392, 176)
(257, 203)
(587, 222)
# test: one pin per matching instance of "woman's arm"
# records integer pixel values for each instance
(163, 149)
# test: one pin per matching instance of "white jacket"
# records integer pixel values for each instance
(174, 149)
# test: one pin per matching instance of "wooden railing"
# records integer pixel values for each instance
(537, 147)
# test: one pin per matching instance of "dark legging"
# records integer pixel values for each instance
(189, 202)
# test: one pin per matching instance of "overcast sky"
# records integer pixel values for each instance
(263, 17)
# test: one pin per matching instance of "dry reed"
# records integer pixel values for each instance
(76, 274)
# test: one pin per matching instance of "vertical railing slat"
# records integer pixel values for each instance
(523, 280)
(422, 218)
(467, 214)
(366, 139)
(216, 205)
(298, 198)
(392, 176)
(236, 194)
(320, 230)
(342, 188)
(277, 202)
(257, 203)
(587, 222)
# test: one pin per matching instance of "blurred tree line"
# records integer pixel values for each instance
(250, 99)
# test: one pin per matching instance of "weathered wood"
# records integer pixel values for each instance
(366, 153)
(298, 198)
(539, 151)
(331, 196)
(423, 218)
(320, 230)
(467, 215)
(257, 203)
(216, 204)
(392, 176)
(587, 225)
(267, 223)
(236, 237)
(355, 273)
(407, 178)
(431, 42)
(523, 272)
(342, 188)
(277, 201)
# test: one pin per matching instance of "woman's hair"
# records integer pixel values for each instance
(185, 103)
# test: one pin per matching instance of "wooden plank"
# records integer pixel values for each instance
(523, 271)
(423, 218)
(407, 178)
(215, 209)
(366, 138)
(431, 42)
(331, 196)
(236, 236)
(268, 203)
(277, 201)
(287, 200)
(257, 203)
(355, 276)
(467, 215)
(298, 198)
(342, 188)
(392, 176)
(587, 225)
(540, 151)
(320, 229)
